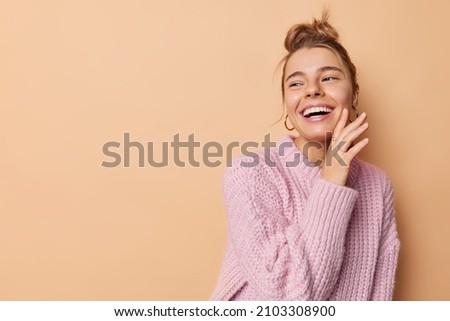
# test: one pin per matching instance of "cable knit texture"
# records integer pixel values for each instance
(293, 235)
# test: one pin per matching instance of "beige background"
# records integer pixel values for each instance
(77, 74)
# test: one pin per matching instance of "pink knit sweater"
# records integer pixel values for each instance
(296, 236)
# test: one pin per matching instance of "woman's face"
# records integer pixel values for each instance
(317, 89)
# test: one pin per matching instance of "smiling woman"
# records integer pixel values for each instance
(324, 228)
(319, 77)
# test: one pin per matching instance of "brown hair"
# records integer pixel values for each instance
(318, 33)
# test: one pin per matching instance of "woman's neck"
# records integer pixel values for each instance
(314, 151)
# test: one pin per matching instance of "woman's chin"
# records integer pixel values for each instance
(320, 136)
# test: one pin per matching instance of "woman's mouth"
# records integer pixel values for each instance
(318, 113)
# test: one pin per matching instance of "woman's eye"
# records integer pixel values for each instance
(328, 78)
(295, 84)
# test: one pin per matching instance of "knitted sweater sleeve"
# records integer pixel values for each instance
(286, 259)
(383, 286)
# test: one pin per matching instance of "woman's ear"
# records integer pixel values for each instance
(355, 98)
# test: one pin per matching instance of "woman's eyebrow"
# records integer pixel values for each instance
(326, 68)
(321, 69)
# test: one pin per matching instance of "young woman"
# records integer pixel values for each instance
(309, 220)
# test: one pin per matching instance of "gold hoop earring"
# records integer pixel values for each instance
(285, 124)
(356, 112)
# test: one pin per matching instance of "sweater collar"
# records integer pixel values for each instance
(296, 162)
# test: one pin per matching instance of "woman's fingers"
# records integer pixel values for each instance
(353, 125)
(353, 135)
(352, 152)
(343, 136)
(341, 124)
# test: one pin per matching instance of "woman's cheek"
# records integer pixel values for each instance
(342, 96)
(292, 102)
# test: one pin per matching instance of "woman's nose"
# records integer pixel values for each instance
(313, 90)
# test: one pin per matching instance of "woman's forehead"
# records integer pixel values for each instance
(311, 60)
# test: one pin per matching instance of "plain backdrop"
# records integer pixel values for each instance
(75, 75)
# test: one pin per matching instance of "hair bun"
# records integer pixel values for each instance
(316, 31)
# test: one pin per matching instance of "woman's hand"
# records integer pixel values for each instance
(336, 166)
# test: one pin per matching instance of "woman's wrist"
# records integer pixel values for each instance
(339, 180)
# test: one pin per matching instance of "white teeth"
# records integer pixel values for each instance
(308, 111)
